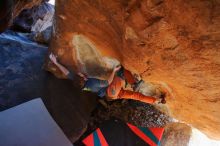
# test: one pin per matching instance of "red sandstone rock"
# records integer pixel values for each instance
(176, 134)
(172, 43)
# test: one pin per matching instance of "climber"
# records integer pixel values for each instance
(112, 88)
(116, 91)
(89, 84)
(135, 81)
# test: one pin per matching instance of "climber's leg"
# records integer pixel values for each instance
(126, 94)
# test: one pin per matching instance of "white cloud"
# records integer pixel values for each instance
(52, 2)
(200, 139)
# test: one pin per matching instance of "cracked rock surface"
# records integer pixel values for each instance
(171, 43)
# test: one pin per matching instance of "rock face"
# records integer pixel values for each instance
(21, 74)
(171, 43)
(176, 134)
(9, 9)
(43, 37)
(36, 19)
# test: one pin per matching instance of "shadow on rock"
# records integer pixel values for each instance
(22, 78)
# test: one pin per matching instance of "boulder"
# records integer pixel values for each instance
(21, 74)
(171, 43)
(23, 78)
(36, 19)
(42, 37)
(176, 134)
(9, 9)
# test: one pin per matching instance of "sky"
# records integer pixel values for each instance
(200, 139)
(52, 2)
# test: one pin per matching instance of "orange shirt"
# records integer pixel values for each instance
(115, 87)
(129, 77)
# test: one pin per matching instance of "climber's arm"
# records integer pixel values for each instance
(64, 70)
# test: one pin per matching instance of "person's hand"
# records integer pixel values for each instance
(117, 68)
(53, 58)
(163, 97)
(163, 101)
(160, 101)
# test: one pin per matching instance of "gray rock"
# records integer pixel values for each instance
(43, 36)
(36, 19)
(22, 78)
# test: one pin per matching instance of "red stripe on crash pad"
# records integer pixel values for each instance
(139, 133)
(89, 141)
(158, 132)
(101, 138)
